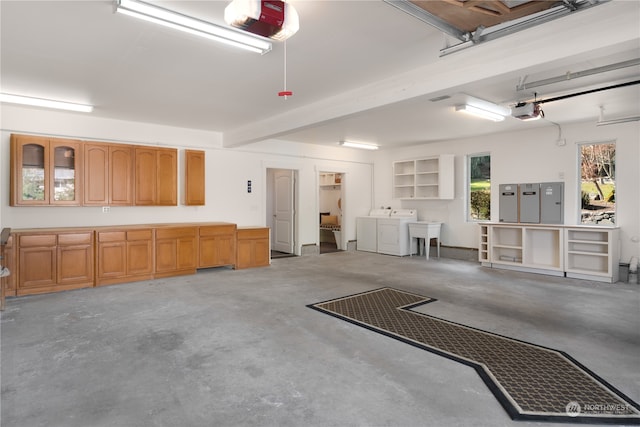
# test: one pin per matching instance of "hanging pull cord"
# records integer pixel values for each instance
(285, 93)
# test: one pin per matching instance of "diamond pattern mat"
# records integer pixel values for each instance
(531, 382)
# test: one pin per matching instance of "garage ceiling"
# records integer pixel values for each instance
(359, 70)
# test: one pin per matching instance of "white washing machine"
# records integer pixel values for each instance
(367, 230)
(393, 233)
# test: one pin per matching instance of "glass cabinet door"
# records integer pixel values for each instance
(45, 171)
(33, 173)
(65, 176)
(64, 173)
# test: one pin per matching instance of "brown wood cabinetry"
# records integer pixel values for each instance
(156, 180)
(194, 178)
(45, 171)
(9, 261)
(50, 261)
(217, 245)
(176, 250)
(124, 255)
(253, 247)
(108, 174)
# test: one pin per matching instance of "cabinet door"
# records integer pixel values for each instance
(65, 167)
(37, 262)
(186, 258)
(245, 254)
(167, 177)
(145, 176)
(194, 174)
(166, 255)
(261, 253)
(112, 259)
(140, 252)
(29, 179)
(96, 174)
(121, 175)
(75, 259)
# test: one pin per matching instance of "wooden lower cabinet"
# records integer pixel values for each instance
(49, 262)
(217, 245)
(176, 251)
(124, 255)
(254, 249)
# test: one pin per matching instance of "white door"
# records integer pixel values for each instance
(282, 236)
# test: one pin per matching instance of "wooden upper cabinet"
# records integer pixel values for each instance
(145, 176)
(96, 174)
(108, 174)
(194, 174)
(121, 175)
(45, 171)
(156, 176)
(167, 177)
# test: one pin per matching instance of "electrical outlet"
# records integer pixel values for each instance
(106, 209)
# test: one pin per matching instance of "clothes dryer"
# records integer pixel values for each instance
(367, 230)
(393, 233)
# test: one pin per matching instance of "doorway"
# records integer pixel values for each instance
(281, 211)
(330, 203)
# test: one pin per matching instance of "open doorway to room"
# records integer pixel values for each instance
(281, 211)
(330, 203)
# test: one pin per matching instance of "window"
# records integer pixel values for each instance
(479, 185)
(598, 183)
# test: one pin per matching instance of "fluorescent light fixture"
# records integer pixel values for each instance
(47, 103)
(480, 112)
(187, 24)
(617, 121)
(361, 145)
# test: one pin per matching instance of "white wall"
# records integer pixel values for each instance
(525, 156)
(227, 173)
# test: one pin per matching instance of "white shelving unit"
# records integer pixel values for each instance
(424, 179)
(592, 253)
(582, 252)
(483, 250)
(330, 180)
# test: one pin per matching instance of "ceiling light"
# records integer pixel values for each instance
(361, 145)
(47, 103)
(194, 26)
(274, 19)
(602, 122)
(480, 112)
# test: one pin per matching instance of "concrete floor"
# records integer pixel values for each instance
(239, 348)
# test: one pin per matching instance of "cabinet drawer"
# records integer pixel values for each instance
(172, 233)
(139, 235)
(111, 236)
(38, 240)
(74, 239)
(253, 233)
(214, 230)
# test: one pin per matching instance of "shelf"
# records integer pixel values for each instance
(429, 178)
(587, 253)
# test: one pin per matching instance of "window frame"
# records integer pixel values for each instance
(579, 146)
(467, 208)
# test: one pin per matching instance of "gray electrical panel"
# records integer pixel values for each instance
(508, 203)
(530, 203)
(552, 203)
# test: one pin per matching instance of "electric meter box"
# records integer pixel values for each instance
(552, 203)
(508, 203)
(530, 203)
